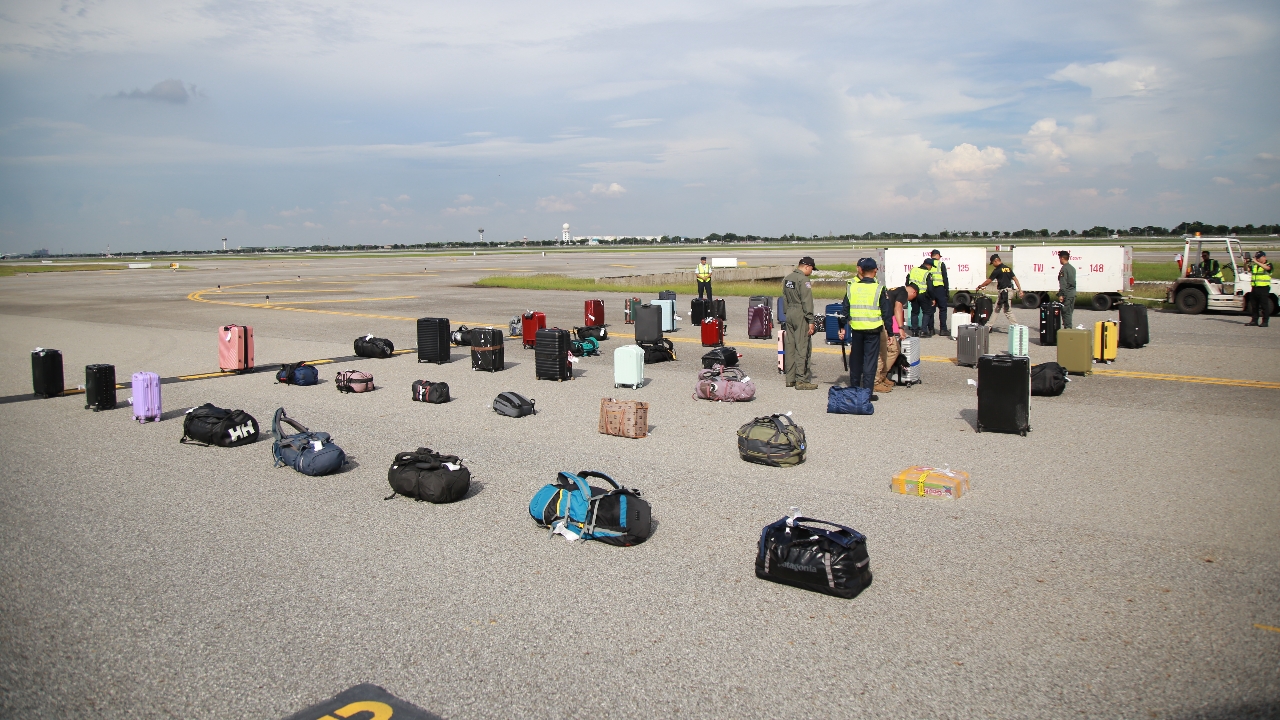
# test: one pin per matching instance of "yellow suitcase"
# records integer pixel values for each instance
(1106, 340)
(931, 482)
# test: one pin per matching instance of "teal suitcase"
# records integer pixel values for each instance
(628, 366)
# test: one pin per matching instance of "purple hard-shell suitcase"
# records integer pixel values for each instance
(146, 397)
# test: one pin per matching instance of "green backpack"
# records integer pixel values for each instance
(772, 440)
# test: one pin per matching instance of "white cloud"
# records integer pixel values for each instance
(310, 225)
(466, 210)
(464, 199)
(639, 122)
(1223, 181)
(402, 198)
(297, 210)
(1112, 79)
(610, 190)
(170, 91)
(966, 162)
(552, 203)
(1041, 148)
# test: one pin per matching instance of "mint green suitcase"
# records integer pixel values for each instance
(628, 366)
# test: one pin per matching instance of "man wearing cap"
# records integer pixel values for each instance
(797, 344)
(922, 307)
(1066, 287)
(1260, 278)
(940, 290)
(703, 274)
(865, 325)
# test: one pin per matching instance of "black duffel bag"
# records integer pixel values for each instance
(1048, 379)
(427, 475)
(213, 425)
(726, 356)
(374, 347)
(815, 555)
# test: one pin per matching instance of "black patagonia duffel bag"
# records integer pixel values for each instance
(815, 555)
(213, 425)
(374, 347)
(1048, 379)
(427, 475)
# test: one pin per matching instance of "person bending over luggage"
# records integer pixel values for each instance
(1066, 287)
(865, 325)
(797, 339)
(893, 312)
(703, 273)
(1002, 275)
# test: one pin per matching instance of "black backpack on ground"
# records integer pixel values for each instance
(658, 351)
(815, 555)
(596, 332)
(213, 425)
(427, 391)
(427, 475)
(374, 347)
(461, 336)
(513, 405)
(982, 308)
(1048, 379)
(725, 356)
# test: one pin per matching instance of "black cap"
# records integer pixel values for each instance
(935, 252)
(806, 260)
(928, 261)
(1259, 254)
(704, 257)
(867, 264)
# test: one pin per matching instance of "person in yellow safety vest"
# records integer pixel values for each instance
(940, 289)
(923, 304)
(1260, 278)
(862, 308)
(1209, 268)
(703, 273)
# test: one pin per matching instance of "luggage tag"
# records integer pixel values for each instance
(569, 535)
(369, 336)
(451, 466)
(317, 445)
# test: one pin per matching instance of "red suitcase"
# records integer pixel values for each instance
(530, 323)
(235, 348)
(760, 322)
(712, 332)
(593, 313)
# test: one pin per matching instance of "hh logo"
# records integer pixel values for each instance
(242, 432)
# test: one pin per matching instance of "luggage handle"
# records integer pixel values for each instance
(855, 534)
(583, 474)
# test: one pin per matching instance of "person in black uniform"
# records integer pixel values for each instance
(1002, 275)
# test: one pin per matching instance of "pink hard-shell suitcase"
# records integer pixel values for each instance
(235, 348)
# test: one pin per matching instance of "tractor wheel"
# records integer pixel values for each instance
(961, 299)
(1031, 300)
(1102, 302)
(1191, 301)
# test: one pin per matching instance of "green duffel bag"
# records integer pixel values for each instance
(772, 440)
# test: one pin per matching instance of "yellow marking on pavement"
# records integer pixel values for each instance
(622, 266)
(1272, 628)
(277, 292)
(1197, 379)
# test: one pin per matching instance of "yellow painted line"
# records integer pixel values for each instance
(276, 292)
(622, 266)
(1188, 378)
(1267, 627)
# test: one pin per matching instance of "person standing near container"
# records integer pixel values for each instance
(940, 289)
(865, 324)
(703, 274)
(1066, 287)
(922, 305)
(797, 298)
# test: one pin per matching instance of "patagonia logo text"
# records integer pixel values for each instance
(798, 567)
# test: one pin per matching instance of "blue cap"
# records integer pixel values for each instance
(867, 263)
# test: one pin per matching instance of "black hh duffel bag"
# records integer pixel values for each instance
(814, 555)
(374, 347)
(217, 426)
(427, 475)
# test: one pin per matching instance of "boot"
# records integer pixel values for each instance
(1252, 323)
(884, 387)
(801, 385)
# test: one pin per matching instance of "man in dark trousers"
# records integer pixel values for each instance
(797, 298)
(1260, 279)
(1066, 287)
(865, 325)
(703, 275)
(940, 289)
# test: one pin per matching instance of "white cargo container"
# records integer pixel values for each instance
(966, 267)
(1106, 270)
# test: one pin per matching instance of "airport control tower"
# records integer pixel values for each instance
(565, 237)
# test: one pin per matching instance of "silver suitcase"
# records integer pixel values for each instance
(971, 343)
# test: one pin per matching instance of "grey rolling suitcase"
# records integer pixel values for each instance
(648, 323)
(971, 343)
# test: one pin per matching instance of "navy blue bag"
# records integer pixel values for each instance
(850, 401)
(299, 373)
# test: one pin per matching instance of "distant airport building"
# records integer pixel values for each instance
(565, 237)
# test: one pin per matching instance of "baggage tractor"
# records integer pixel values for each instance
(718, 309)
(648, 323)
(1050, 323)
(971, 343)
(624, 418)
(551, 355)
(1075, 350)
(433, 340)
(628, 366)
(698, 309)
(667, 295)
(487, 352)
(712, 332)
(982, 309)
(593, 313)
(958, 319)
(235, 348)
(782, 312)
(1019, 340)
(1004, 394)
(911, 352)
(146, 397)
(46, 372)
(760, 321)
(1106, 340)
(668, 314)
(756, 300)
(629, 312)
(99, 387)
(832, 323)
(531, 323)
(1133, 326)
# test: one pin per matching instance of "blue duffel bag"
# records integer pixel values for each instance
(310, 453)
(850, 401)
(299, 373)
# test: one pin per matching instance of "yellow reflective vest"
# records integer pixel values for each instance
(864, 305)
(703, 272)
(1261, 276)
(917, 277)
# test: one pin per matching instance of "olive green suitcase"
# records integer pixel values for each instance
(1075, 351)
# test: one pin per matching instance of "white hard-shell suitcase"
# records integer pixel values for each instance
(668, 314)
(628, 366)
(958, 319)
(1019, 340)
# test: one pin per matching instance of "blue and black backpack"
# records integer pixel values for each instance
(299, 373)
(571, 506)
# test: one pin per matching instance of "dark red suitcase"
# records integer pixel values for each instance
(530, 323)
(760, 322)
(712, 332)
(593, 313)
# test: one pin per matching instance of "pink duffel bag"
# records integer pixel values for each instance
(349, 381)
(724, 384)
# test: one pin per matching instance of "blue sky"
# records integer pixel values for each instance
(150, 125)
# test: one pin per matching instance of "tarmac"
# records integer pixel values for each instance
(1121, 560)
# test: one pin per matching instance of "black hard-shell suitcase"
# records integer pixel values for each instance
(718, 309)
(433, 340)
(667, 295)
(760, 300)
(648, 323)
(698, 310)
(1004, 393)
(982, 309)
(1133, 326)
(1050, 323)
(99, 387)
(46, 372)
(487, 352)
(551, 355)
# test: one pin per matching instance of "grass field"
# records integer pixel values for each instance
(11, 270)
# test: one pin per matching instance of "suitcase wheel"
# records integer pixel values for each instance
(978, 428)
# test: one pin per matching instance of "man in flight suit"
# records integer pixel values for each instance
(797, 298)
